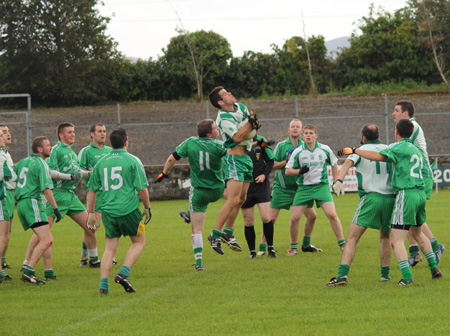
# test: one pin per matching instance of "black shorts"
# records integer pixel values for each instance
(257, 193)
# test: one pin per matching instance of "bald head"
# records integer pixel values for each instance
(370, 132)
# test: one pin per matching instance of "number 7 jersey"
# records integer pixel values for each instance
(119, 175)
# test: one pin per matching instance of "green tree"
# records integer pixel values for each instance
(387, 49)
(292, 72)
(57, 51)
(193, 61)
(433, 19)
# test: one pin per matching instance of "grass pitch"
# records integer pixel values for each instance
(234, 295)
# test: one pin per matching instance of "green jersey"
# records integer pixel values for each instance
(407, 163)
(228, 122)
(33, 177)
(205, 158)
(64, 160)
(316, 159)
(119, 175)
(281, 180)
(89, 156)
(418, 139)
(373, 176)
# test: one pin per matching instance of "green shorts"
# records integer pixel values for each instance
(374, 211)
(128, 225)
(31, 211)
(238, 167)
(98, 201)
(282, 198)
(306, 195)
(199, 198)
(409, 208)
(67, 202)
(7, 206)
(428, 186)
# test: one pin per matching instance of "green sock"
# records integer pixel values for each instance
(198, 252)
(262, 247)
(104, 285)
(124, 271)
(434, 245)
(306, 241)
(432, 264)
(294, 246)
(49, 273)
(4, 259)
(2, 275)
(93, 259)
(413, 249)
(341, 242)
(228, 230)
(216, 233)
(343, 270)
(385, 270)
(28, 270)
(406, 271)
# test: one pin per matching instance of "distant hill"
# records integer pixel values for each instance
(333, 46)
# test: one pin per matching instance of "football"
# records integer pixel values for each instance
(252, 133)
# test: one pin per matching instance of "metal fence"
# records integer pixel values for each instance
(156, 128)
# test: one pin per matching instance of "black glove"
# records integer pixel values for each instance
(253, 119)
(263, 143)
(346, 151)
(161, 177)
(147, 214)
(57, 214)
(303, 170)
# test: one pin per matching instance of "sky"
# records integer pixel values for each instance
(143, 27)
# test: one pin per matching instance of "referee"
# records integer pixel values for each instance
(259, 193)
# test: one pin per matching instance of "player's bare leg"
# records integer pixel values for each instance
(4, 237)
(89, 237)
(294, 227)
(330, 211)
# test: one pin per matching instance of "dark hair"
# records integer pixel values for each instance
(204, 127)
(406, 107)
(311, 127)
(38, 142)
(405, 128)
(118, 138)
(61, 127)
(214, 96)
(370, 132)
(93, 127)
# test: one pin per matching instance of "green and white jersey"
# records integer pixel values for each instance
(407, 165)
(418, 139)
(281, 180)
(228, 123)
(90, 155)
(205, 158)
(64, 160)
(373, 176)
(316, 159)
(33, 177)
(120, 176)
(8, 168)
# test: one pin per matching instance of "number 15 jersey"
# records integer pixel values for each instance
(119, 175)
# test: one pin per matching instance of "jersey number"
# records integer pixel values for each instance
(23, 175)
(114, 176)
(203, 160)
(416, 165)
